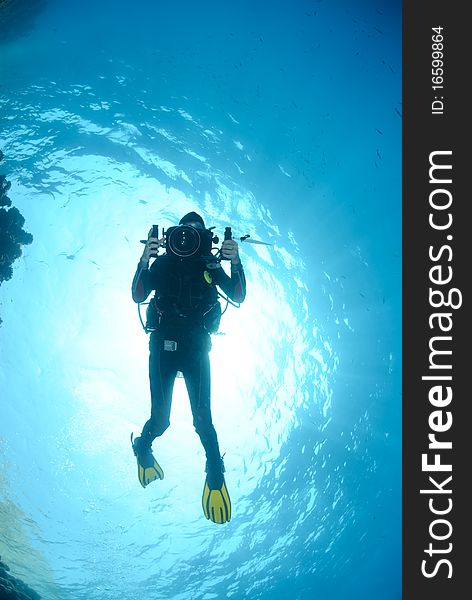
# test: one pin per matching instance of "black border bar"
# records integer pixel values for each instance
(436, 255)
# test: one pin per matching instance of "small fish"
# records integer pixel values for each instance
(378, 131)
(387, 66)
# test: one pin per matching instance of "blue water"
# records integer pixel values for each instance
(282, 120)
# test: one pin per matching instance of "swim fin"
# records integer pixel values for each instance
(215, 500)
(148, 467)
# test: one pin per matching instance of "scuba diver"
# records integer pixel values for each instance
(182, 314)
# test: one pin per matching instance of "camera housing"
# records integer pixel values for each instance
(187, 241)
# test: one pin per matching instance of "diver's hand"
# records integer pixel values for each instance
(151, 248)
(229, 250)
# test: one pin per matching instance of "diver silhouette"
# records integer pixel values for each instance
(181, 315)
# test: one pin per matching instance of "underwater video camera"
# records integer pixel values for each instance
(187, 241)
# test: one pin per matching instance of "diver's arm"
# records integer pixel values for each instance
(144, 278)
(238, 282)
(141, 286)
(229, 249)
(235, 286)
(147, 278)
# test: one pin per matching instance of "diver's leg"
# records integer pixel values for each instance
(162, 373)
(216, 502)
(196, 371)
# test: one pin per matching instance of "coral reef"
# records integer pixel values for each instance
(12, 235)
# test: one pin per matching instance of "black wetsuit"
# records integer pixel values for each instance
(186, 304)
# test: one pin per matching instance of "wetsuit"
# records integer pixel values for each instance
(186, 310)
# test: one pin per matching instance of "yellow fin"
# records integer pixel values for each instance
(216, 504)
